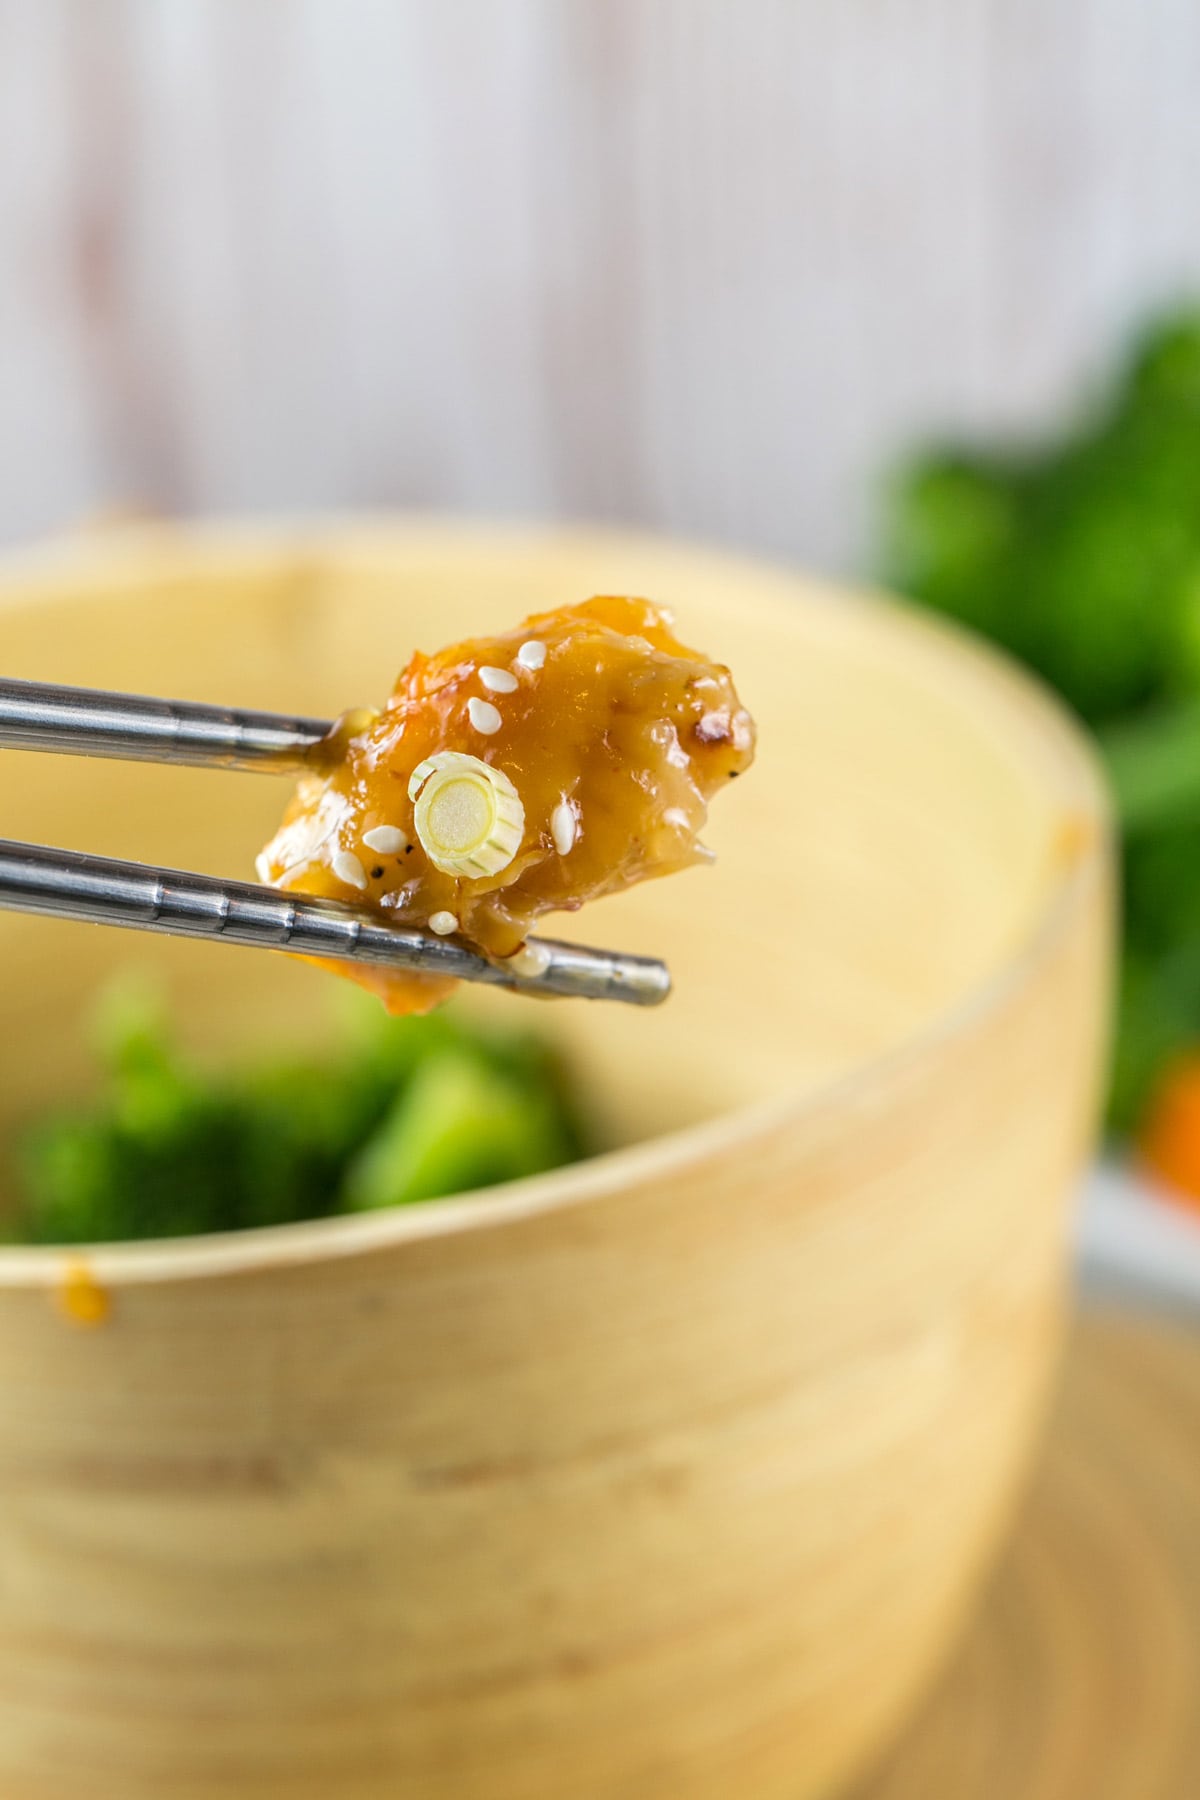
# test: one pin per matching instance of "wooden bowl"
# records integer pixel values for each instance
(672, 1474)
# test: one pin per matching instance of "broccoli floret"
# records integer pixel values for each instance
(1082, 557)
(1079, 556)
(952, 527)
(459, 1124)
(409, 1109)
(1165, 364)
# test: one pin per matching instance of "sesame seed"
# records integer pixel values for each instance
(500, 681)
(443, 923)
(562, 828)
(349, 869)
(483, 716)
(713, 728)
(386, 839)
(532, 655)
(531, 960)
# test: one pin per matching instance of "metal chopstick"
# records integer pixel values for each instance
(36, 715)
(66, 884)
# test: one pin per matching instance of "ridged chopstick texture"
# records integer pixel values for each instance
(139, 728)
(67, 884)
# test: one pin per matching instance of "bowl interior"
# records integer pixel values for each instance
(910, 818)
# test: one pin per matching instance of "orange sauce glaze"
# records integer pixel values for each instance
(81, 1297)
(622, 723)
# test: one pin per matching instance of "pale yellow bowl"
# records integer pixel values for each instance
(668, 1477)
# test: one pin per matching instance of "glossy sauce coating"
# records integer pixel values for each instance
(613, 733)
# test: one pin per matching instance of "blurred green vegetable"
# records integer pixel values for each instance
(1081, 556)
(406, 1110)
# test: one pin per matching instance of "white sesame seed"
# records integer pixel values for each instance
(483, 715)
(349, 869)
(532, 655)
(531, 960)
(500, 681)
(562, 828)
(443, 923)
(386, 839)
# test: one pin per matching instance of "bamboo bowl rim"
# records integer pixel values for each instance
(277, 1247)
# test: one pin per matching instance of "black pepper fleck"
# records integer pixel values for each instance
(377, 874)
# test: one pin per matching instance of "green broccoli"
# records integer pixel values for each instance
(1081, 556)
(407, 1110)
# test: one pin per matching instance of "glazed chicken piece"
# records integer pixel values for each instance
(513, 776)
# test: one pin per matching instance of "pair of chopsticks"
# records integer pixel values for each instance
(66, 884)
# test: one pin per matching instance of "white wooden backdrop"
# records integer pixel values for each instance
(700, 264)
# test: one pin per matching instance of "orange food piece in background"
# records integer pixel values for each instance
(613, 734)
(1169, 1140)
